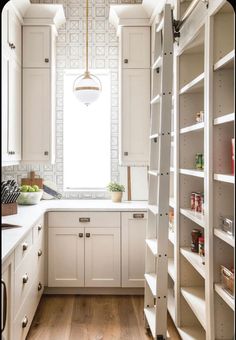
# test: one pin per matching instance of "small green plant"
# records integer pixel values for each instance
(113, 186)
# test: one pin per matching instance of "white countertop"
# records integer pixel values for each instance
(27, 216)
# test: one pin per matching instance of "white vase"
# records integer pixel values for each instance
(116, 196)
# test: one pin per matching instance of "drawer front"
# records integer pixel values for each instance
(26, 313)
(23, 248)
(38, 230)
(84, 219)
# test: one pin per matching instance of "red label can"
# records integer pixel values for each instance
(193, 200)
(198, 202)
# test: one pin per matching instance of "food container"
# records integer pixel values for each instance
(201, 248)
(193, 200)
(30, 198)
(227, 279)
(200, 117)
(198, 202)
(196, 233)
(199, 161)
(227, 225)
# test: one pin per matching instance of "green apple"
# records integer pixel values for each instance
(36, 188)
(31, 189)
(24, 188)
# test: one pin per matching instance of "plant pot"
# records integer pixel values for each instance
(116, 196)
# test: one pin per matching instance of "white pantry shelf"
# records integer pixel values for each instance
(225, 62)
(192, 333)
(194, 86)
(224, 178)
(224, 236)
(152, 244)
(154, 135)
(171, 303)
(196, 217)
(192, 128)
(224, 119)
(151, 279)
(192, 172)
(157, 63)
(195, 297)
(153, 208)
(224, 295)
(156, 99)
(195, 260)
(171, 268)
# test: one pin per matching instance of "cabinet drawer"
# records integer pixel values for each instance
(84, 219)
(23, 248)
(26, 313)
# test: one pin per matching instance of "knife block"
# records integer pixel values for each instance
(9, 209)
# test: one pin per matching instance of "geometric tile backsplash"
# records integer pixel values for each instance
(70, 51)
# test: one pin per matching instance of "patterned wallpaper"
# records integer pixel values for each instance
(70, 51)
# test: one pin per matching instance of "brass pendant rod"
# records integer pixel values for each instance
(86, 36)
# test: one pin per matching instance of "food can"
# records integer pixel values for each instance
(199, 161)
(196, 233)
(198, 202)
(193, 200)
(202, 202)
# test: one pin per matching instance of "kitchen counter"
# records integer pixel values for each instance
(27, 216)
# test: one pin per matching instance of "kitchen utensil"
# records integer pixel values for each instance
(32, 180)
(50, 191)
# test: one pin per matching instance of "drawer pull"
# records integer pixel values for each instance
(25, 278)
(25, 246)
(84, 219)
(126, 61)
(40, 286)
(138, 215)
(39, 227)
(46, 60)
(24, 322)
(81, 234)
(40, 253)
(87, 234)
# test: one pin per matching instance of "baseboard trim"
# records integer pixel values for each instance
(93, 291)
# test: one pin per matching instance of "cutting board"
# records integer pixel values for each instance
(32, 180)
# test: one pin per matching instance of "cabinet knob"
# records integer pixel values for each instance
(40, 286)
(25, 278)
(46, 60)
(87, 234)
(45, 153)
(81, 234)
(11, 152)
(12, 46)
(39, 227)
(126, 153)
(40, 253)
(25, 246)
(24, 322)
(126, 61)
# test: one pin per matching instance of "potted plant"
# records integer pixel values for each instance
(116, 190)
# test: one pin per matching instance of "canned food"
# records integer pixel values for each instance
(198, 202)
(199, 161)
(193, 200)
(196, 233)
(201, 249)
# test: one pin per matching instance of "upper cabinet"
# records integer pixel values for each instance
(36, 46)
(11, 87)
(135, 47)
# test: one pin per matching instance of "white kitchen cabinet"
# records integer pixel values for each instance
(11, 87)
(135, 107)
(7, 289)
(66, 257)
(38, 94)
(135, 47)
(36, 46)
(102, 257)
(133, 248)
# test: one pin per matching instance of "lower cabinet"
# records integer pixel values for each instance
(84, 257)
(7, 289)
(133, 248)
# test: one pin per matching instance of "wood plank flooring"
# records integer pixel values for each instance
(76, 317)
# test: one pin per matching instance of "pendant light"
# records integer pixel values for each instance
(87, 87)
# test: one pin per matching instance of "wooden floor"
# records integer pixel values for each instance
(73, 317)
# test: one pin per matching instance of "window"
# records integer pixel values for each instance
(87, 163)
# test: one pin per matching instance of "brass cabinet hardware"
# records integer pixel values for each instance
(40, 253)
(25, 246)
(40, 286)
(138, 215)
(87, 234)
(81, 234)
(24, 322)
(25, 278)
(84, 219)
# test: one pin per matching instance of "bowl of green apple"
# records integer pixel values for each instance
(29, 195)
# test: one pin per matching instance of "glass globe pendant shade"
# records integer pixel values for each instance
(87, 88)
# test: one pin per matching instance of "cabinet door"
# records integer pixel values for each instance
(135, 116)
(102, 257)
(7, 284)
(66, 257)
(36, 46)
(14, 119)
(4, 122)
(133, 248)
(135, 47)
(14, 35)
(36, 115)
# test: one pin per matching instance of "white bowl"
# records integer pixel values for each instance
(29, 198)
